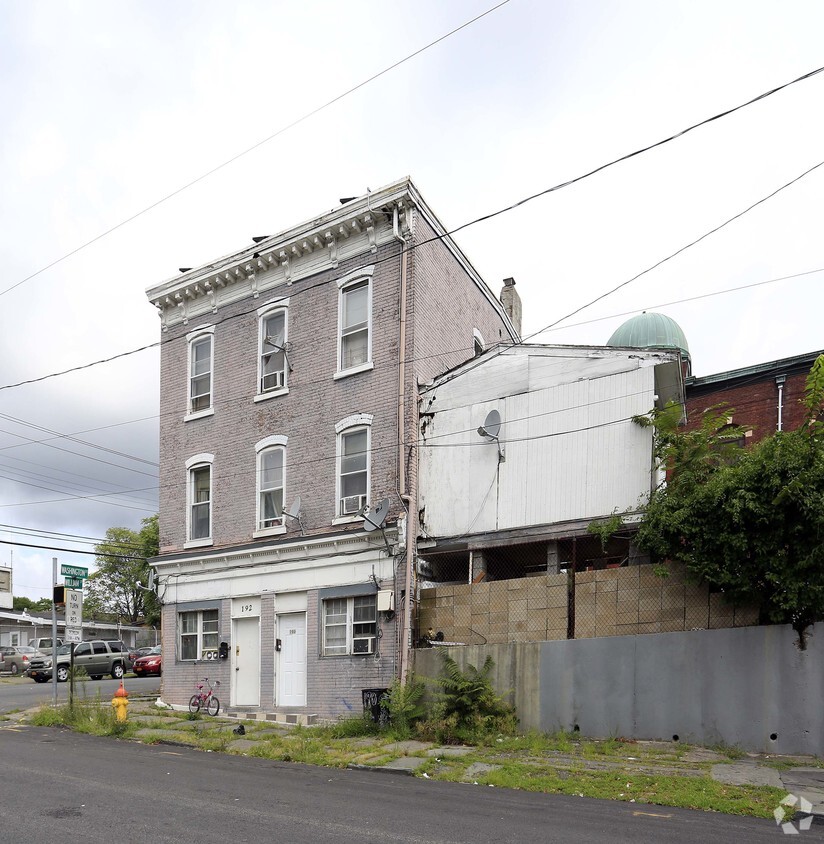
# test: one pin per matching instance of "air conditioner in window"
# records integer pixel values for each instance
(363, 645)
(273, 380)
(352, 504)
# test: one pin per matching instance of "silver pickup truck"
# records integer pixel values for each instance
(96, 658)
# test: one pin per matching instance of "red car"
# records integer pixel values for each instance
(151, 663)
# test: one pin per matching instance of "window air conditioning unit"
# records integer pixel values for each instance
(363, 645)
(274, 380)
(352, 504)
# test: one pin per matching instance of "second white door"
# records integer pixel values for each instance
(292, 659)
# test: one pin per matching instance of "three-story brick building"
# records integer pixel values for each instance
(289, 375)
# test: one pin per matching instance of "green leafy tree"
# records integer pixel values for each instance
(749, 522)
(22, 603)
(112, 592)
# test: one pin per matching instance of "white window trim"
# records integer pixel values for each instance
(355, 421)
(350, 622)
(476, 335)
(366, 273)
(263, 312)
(191, 337)
(203, 459)
(275, 441)
(199, 649)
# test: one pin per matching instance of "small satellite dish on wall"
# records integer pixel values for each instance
(492, 425)
(293, 513)
(490, 431)
(376, 518)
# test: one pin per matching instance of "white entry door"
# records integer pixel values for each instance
(292, 659)
(246, 658)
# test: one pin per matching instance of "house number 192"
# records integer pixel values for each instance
(246, 608)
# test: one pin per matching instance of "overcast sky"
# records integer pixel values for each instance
(109, 107)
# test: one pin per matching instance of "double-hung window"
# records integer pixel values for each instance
(199, 499)
(273, 364)
(353, 465)
(271, 483)
(198, 634)
(201, 365)
(350, 625)
(355, 323)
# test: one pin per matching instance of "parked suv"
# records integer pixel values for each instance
(97, 658)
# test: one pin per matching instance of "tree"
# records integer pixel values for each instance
(749, 522)
(22, 603)
(112, 591)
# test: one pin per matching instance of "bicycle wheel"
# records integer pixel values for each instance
(194, 703)
(213, 706)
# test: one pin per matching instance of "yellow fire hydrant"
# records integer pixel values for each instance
(120, 702)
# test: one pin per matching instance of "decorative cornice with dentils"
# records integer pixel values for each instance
(358, 227)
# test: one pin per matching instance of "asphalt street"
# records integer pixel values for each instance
(78, 788)
(24, 693)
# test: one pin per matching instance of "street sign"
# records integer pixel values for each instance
(73, 571)
(74, 615)
(74, 583)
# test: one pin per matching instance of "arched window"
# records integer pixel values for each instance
(199, 500)
(200, 399)
(355, 323)
(271, 482)
(478, 343)
(353, 464)
(273, 362)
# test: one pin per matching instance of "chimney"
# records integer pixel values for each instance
(512, 303)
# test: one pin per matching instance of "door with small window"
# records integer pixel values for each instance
(291, 668)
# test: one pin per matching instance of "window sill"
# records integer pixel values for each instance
(283, 391)
(354, 370)
(200, 414)
(198, 543)
(272, 531)
(347, 520)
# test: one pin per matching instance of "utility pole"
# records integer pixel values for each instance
(54, 633)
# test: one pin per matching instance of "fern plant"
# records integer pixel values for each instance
(468, 704)
(402, 703)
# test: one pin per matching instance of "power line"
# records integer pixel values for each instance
(254, 146)
(485, 359)
(684, 301)
(73, 537)
(65, 551)
(75, 439)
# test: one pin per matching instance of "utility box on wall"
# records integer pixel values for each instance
(386, 600)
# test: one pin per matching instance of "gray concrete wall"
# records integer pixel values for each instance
(736, 686)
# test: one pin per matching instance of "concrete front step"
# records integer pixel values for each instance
(302, 718)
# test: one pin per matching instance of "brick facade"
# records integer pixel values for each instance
(752, 394)
(446, 302)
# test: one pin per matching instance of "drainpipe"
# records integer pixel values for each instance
(409, 498)
(780, 380)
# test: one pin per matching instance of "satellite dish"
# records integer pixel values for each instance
(294, 511)
(492, 425)
(375, 519)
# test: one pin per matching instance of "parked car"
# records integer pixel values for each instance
(16, 658)
(136, 653)
(151, 663)
(96, 658)
(44, 644)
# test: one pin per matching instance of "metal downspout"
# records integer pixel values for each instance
(409, 500)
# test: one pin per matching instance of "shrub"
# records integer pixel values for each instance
(402, 703)
(468, 707)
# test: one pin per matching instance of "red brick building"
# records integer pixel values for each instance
(763, 398)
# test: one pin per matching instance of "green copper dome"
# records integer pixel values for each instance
(651, 330)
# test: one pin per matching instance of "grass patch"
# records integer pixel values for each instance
(92, 718)
(685, 792)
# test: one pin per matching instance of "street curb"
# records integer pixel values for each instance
(354, 766)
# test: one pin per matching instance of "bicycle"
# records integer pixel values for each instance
(207, 700)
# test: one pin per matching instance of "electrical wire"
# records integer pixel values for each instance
(255, 146)
(437, 237)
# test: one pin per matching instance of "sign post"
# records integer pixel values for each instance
(74, 632)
